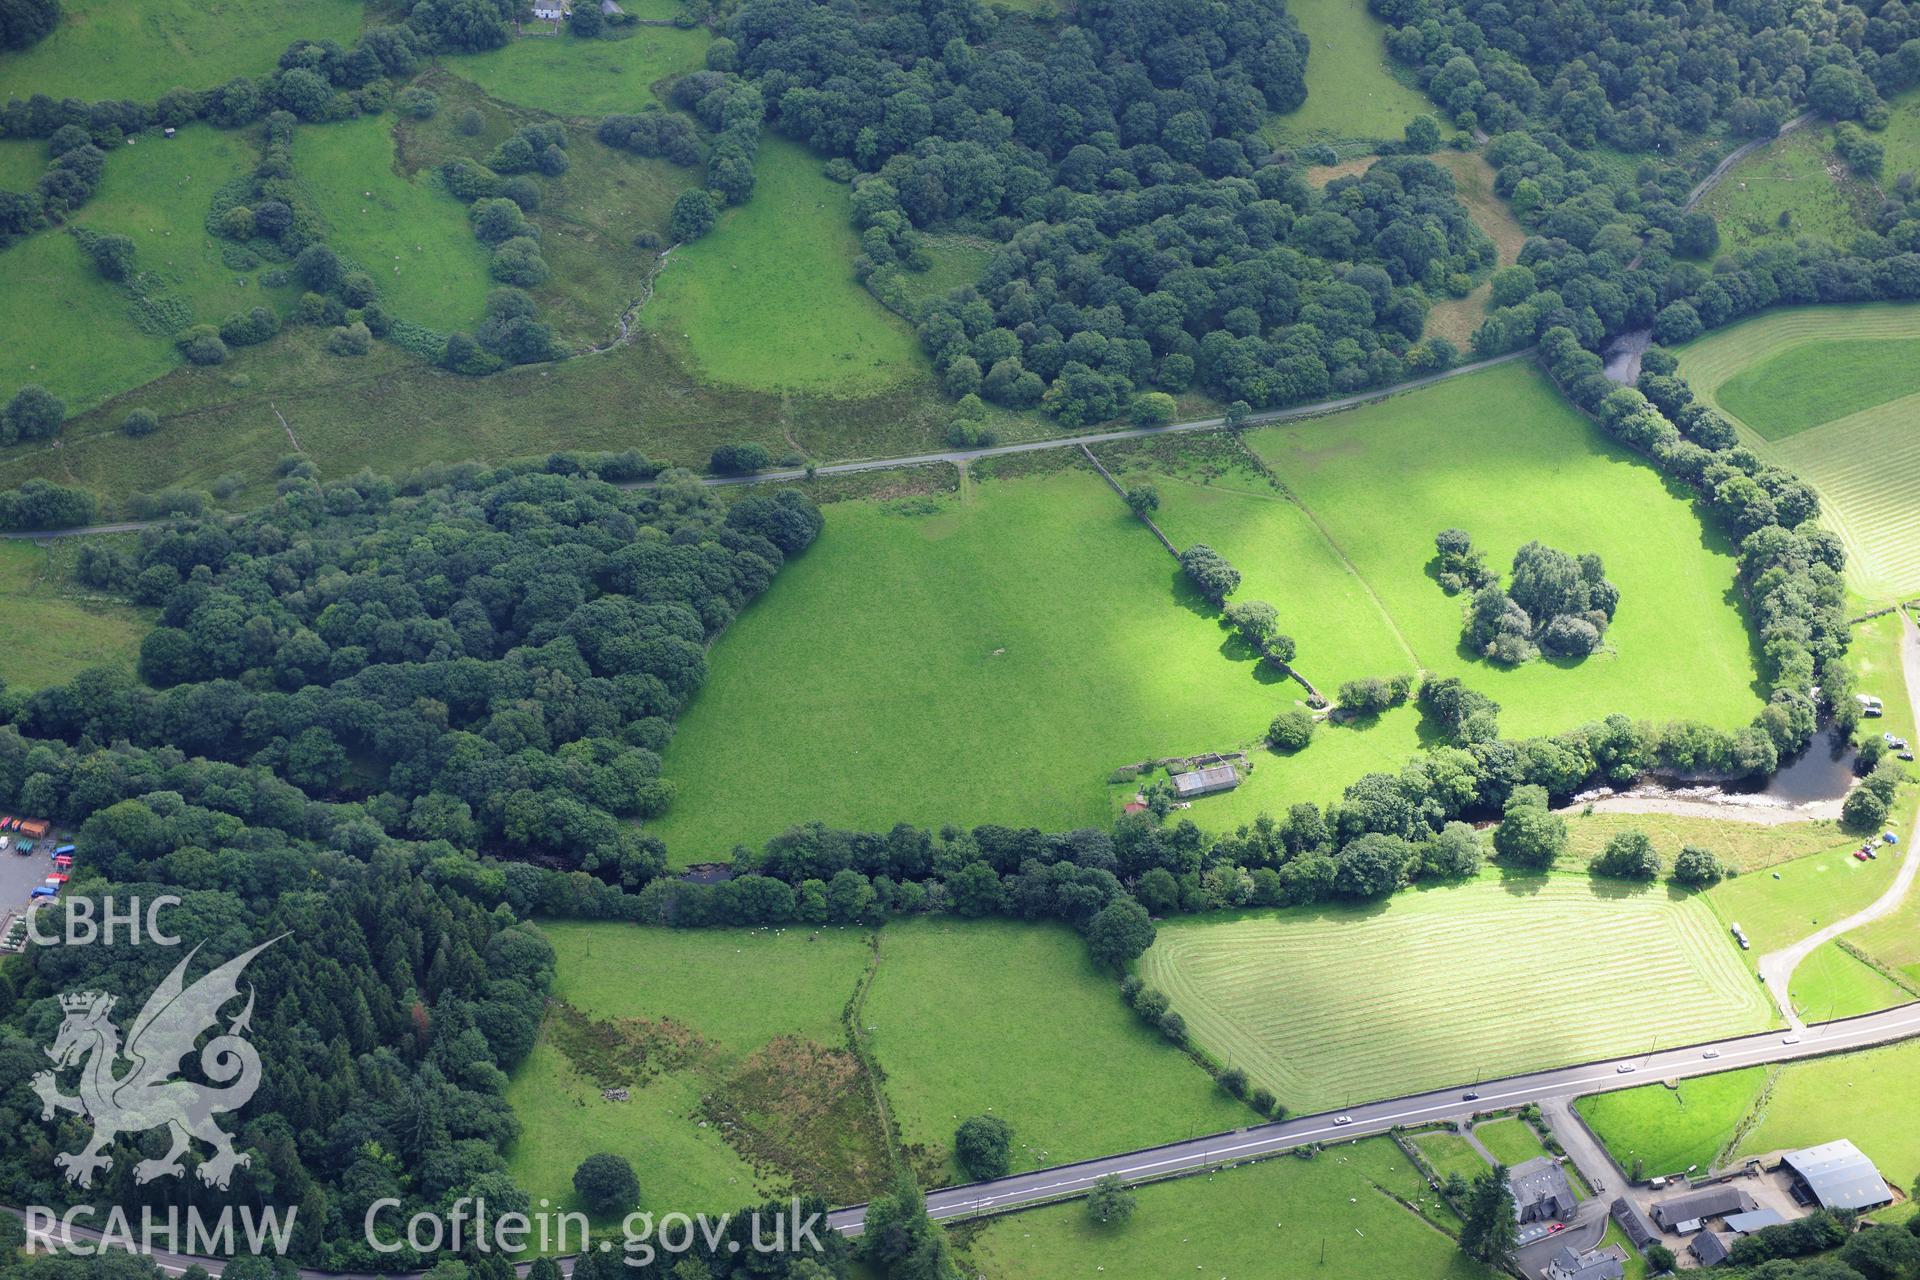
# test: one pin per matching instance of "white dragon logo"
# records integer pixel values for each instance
(148, 1096)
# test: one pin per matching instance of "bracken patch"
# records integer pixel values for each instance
(802, 1109)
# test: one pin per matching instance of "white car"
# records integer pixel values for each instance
(1623, 1068)
(1789, 1039)
(1343, 1119)
(1711, 1053)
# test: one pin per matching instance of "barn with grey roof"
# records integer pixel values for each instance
(1202, 782)
(1836, 1175)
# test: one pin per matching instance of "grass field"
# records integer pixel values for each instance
(1745, 846)
(1383, 479)
(587, 78)
(1449, 1153)
(915, 668)
(768, 299)
(111, 49)
(588, 217)
(1451, 987)
(1864, 461)
(1021, 1013)
(1334, 1214)
(51, 628)
(1807, 385)
(413, 238)
(1854, 1096)
(1832, 983)
(1510, 1139)
(659, 1024)
(957, 260)
(1787, 902)
(158, 193)
(1455, 319)
(1669, 1130)
(1797, 175)
(1352, 94)
(22, 162)
(1902, 136)
(733, 1049)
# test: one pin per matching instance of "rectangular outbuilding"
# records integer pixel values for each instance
(1203, 782)
(1836, 1175)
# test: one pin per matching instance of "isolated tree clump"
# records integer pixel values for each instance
(34, 413)
(1697, 868)
(983, 1146)
(1110, 1203)
(1629, 855)
(1290, 731)
(607, 1183)
(1555, 602)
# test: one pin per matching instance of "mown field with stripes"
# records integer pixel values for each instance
(1865, 460)
(1329, 1007)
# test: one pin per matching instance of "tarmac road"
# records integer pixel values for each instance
(1441, 1104)
(1215, 1150)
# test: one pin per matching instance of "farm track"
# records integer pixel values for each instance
(963, 457)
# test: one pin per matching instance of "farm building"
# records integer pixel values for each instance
(1608, 1263)
(1541, 1191)
(1745, 1223)
(1204, 782)
(1835, 1175)
(1633, 1222)
(1710, 1247)
(551, 10)
(1689, 1212)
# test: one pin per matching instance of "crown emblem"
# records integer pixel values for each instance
(84, 1001)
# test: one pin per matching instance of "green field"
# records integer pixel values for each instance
(1832, 983)
(157, 192)
(1111, 663)
(1669, 1130)
(768, 299)
(1787, 902)
(51, 628)
(733, 1047)
(22, 162)
(587, 78)
(1864, 461)
(113, 49)
(913, 668)
(1789, 176)
(1902, 136)
(1353, 97)
(1449, 1153)
(1511, 1140)
(1807, 385)
(956, 260)
(1452, 985)
(412, 237)
(1334, 1215)
(1858, 1096)
(1020, 1014)
(682, 1039)
(1501, 455)
(1745, 846)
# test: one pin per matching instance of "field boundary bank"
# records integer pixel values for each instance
(1292, 672)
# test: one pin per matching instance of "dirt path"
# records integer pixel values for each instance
(1777, 966)
(1734, 808)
